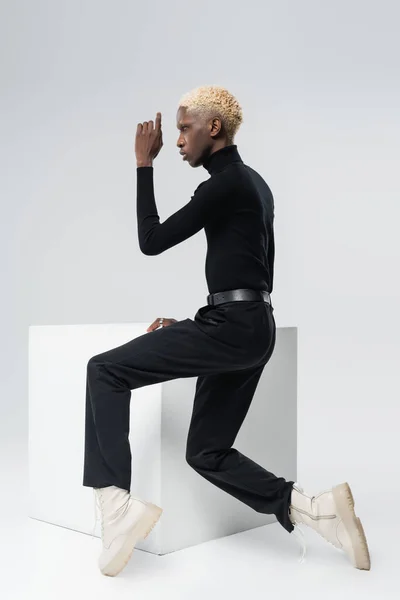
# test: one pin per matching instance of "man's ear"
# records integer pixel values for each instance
(216, 126)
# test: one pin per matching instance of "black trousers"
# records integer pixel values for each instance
(226, 346)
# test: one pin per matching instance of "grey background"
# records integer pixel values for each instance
(319, 86)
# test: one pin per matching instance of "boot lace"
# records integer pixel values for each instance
(98, 511)
(299, 534)
(297, 531)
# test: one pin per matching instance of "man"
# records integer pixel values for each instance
(226, 346)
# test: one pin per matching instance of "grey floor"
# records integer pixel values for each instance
(44, 561)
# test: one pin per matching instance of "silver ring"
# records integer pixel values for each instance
(161, 320)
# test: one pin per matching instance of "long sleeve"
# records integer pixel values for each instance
(208, 202)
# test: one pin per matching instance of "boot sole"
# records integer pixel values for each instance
(139, 532)
(345, 505)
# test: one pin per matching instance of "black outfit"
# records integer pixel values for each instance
(225, 346)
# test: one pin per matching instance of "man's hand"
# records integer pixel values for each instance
(156, 324)
(148, 142)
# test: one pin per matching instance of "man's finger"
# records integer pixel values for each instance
(158, 121)
(154, 324)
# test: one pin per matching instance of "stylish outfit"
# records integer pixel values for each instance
(225, 346)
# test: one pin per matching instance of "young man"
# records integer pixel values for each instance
(226, 346)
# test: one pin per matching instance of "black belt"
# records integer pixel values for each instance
(239, 294)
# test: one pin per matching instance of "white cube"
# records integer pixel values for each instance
(194, 510)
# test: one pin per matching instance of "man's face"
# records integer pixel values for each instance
(192, 137)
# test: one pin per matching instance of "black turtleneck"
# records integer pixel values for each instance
(235, 207)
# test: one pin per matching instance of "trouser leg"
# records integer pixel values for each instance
(220, 406)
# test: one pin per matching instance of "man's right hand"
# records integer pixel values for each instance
(156, 324)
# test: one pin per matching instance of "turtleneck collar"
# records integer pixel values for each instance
(222, 157)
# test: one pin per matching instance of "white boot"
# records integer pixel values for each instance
(331, 514)
(124, 520)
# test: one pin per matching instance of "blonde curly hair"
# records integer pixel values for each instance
(213, 100)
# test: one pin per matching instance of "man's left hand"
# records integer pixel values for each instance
(148, 141)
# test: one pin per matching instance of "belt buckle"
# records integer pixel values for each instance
(210, 299)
